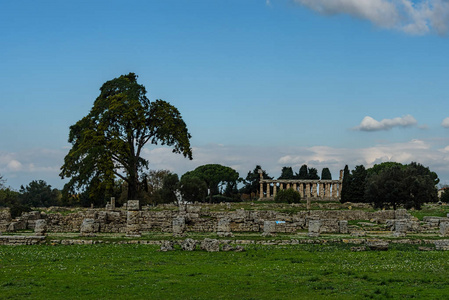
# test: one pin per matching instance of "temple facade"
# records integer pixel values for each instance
(325, 190)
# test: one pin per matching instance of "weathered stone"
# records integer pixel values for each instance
(401, 214)
(239, 249)
(167, 246)
(40, 227)
(210, 245)
(314, 228)
(358, 249)
(178, 226)
(133, 205)
(425, 249)
(343, 226)
(444, 229)
(224, 227)
(400, 228)
(227, 248)
(269, 228)
(442, 245)
(377, 245)
(89, 227)
(188, 245)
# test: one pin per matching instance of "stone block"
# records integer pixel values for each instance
(343, 226)
(210, 245)
(444, 229)
(178, 226)
(40, 227)
(400, 228)
(377, 245)
(89, 227)
(269, 228)
(314, 228)
(442, 245)
(188, 245)
(133, 205)
(167, 246)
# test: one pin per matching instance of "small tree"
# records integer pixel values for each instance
(287, 196)
(326, 174)
(193, 189)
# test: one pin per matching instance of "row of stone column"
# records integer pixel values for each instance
(330, 190)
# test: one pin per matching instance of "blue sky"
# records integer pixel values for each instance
(275, 83)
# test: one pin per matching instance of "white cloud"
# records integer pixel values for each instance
(14, 165)
(411, 17)
(370, 124)
(445, 123)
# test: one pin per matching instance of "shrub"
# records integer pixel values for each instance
(287, 196)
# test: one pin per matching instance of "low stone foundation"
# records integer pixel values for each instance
(14, 240)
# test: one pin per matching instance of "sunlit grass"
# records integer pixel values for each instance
(111, 271)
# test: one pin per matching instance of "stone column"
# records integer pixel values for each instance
(281, 186)
(295, 187)
(261, 190)
(328, 190)
(301, 190)
(274, 190)
(314, 190)
(132, 219)
(288, 186)
(268, 190)
(112, 202)
(307, 190)
(334, 190)
(321, 190)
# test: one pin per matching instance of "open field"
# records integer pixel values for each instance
(111, 271)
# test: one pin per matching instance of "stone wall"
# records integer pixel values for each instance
(196, 219)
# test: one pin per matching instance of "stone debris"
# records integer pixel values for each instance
(167, 246)
(188, 245)
(40, 227)
(210, 245)
(377, 245)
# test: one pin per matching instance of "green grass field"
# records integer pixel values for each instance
(111, 271)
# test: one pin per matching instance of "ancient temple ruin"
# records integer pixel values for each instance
(329, 190)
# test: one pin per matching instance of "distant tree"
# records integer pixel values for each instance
(313, 174)
(39, 194)
(287, 196)
(108, 142)
(326, 174)
(445, 196)
(2, 182)
(215, 176)
(193, 189)
(303, 172)
(409, 186)
(153, 181)
(287, 173)
(170, 186)
(346, 186)
(252, 181)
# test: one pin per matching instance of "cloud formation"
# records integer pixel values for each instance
(445, 123)
(411, 17)
(370, 124)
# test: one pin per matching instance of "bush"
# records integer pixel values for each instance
(287, 196)
(445, 196)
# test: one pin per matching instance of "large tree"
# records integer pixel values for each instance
(108, 142)
(252, 181)
(214, 175)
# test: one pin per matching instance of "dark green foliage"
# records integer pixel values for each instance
(39, 194)
(377, 168)
(193, 189)
(345, 190)
(409, 186)
(287, 173)
(215, 176)
(445, 196)
(252, 181)
(303, 173)
(313, 174)
(326, 174)
(170, 186)
(107, 143)
(287, 196)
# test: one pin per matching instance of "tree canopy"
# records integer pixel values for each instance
(214, 175)
(108, 142)
(252, 181)
(287, 173)
(326, 174)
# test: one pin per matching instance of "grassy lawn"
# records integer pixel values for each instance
(111, 271)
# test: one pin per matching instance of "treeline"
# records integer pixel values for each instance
(390, 185)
